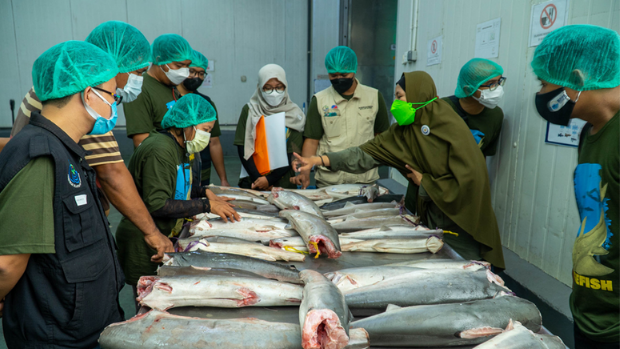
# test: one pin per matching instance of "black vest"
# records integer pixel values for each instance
(65, 299)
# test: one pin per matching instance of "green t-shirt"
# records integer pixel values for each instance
(154, 169)
(145, 113)
(595, 300)
(293, 144)
(314, 126)
(489, 122)
(27, 210)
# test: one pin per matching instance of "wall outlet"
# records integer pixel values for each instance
(410, 56)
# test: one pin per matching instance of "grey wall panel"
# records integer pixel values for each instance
(156, 17)
(10, 82)
(325, 26)
(86, 15)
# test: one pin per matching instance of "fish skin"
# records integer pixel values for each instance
(427, 286)
(338, 204)
(246, 198)
(519, 337)
(444, 264)
(393, 233)
(322, 306)
(448, 324)
(351, 224)
(166, 271)
(204, 227)
(286, 199)
(352, 278)
(219, 190)
(412, 245)
(243, 249)
(374, 213)
(162, 293)
(270, 270)
(350, 208)
(245, 234)
(161, 330)
(314, 229)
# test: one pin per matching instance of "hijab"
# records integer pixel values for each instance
(439, 145)
(294, 116)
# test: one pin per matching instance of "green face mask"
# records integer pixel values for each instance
(404, 112)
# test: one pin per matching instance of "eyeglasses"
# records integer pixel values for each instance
(493, 86)
(117, 98)
(269, 90)
(200, 74)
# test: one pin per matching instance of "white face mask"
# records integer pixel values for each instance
(132, 89)
(199, 143)
(490, 99)
(176, 76)
(274, 98)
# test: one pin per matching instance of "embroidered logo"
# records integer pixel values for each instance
(426, 130)
(366, 107)
(74, 177)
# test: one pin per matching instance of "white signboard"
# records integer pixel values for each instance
(434, 50)
(565, 135)
(547, 17)
(211, 65)
(487, 39)
(208, 83)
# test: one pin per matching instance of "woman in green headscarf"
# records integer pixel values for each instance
(433, 147)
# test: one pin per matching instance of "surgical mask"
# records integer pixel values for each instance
(342, 85)
(274, 98)
(199, 143)
(192, 84)
(404, 112)
(490, 99)
(102, 125)
(176, 76)
(132, 89)
(555, 106)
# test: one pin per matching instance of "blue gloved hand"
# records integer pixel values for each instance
(478, 136)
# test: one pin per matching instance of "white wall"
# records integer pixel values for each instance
(240, 35)
(531, 181)
(325, 26)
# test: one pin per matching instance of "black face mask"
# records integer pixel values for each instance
(192, 84)
(555, 106)
(342, 85)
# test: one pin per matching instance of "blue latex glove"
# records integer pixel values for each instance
(478, 136)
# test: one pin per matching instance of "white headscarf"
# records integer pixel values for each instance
(294, 119)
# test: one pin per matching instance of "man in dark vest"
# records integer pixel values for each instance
(58, 266)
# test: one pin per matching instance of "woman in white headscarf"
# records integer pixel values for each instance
(271, 97)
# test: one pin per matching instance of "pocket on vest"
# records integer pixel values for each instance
(80, 215)
(333, 126)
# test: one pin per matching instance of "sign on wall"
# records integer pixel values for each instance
(565, 135)
(547, 17)
(434, 51)
(487, 39)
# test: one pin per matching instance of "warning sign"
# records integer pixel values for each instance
(434, 51)
(546, 18)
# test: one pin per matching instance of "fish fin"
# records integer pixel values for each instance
(288, 226)
(480, 332)
(349, 204)
(511, 325)
(392, 307)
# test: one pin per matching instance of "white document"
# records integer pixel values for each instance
(487, 39)
(208, 83)
(211, 65)
(565, 135)
(243, 173)
(275, 129)
(545, 18)
(434, 50)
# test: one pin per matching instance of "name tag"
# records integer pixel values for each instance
(366, 107)
(81, 200)
(170, 104)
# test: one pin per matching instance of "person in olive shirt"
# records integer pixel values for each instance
(162, 171)
(172, 56)
(346, 114)
(578, 81)
(271, 97)
(197, 74)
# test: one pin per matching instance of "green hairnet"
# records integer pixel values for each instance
(341, 59)
(189, 110)
(475, 73)
(593, 51)
(70, 67)
(126, 44)
(199, 60)
(171, 48)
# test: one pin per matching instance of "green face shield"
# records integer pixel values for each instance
(404, 112)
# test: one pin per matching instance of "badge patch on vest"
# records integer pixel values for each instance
(425, 130)
(74, 177)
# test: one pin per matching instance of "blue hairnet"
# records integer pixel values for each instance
(189, 110)
(594, 51)
(70, 67)
(341, 59)
(126, 44)
(169, 48)
(199, 60)
(475, 73)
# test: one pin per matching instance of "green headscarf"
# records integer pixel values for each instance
(453, 168)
